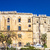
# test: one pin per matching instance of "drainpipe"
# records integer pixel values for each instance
(39, 30)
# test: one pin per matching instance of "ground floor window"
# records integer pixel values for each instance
(20, 44)
(19, 35)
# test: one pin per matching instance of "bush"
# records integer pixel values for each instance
(45, 46)
(29, 48)
(28, 44)
(11, 48)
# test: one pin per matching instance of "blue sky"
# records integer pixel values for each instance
(27, 6)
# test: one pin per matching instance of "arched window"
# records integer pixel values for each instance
(29, 20)
(8, 19)
(19, 19)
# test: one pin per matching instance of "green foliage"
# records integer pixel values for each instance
(28, 44)
(2, 38)
(9, 41)
(29, 48)
(11, 48)
(5, 38)
(44, 39)
(45, 46)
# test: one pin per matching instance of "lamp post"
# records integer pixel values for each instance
(16, 46)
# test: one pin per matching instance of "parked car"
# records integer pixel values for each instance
(38, 46)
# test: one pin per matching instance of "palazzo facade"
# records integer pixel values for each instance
(27, 26)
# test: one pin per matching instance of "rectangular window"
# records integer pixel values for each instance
(8, 27)
(19, 20)
(19, 35)
(19, 28)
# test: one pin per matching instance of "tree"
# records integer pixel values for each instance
(30, 48)
(10, 36)
(7, 38)
(2, 39)
(44, 39)
(28, 44)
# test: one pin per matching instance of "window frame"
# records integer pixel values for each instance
(19, 36)
(8, 28)
(19, 19)
(29, 20)
(19, 28)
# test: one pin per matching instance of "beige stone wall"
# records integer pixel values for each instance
(44, 28)
(29, 34)
(14, 22)
(48, 33)
(36, 27)
(26, 37)
(26, 31)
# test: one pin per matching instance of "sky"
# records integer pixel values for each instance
(26, 6)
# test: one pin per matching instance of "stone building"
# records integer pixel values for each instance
(19, 23)
(41, 25)
(27, 26)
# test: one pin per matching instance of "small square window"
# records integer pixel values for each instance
(19, 35)
(44, 21)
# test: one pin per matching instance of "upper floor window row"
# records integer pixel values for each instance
(40, 22)
(19, 20)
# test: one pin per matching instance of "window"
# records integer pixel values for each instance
(20, 44)
(19, 35)
(19, 28)
(29, 20)
(8, 20)
(8, 28)
(44, 21)
(19, 20)
(29, 25)
(37, 21)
